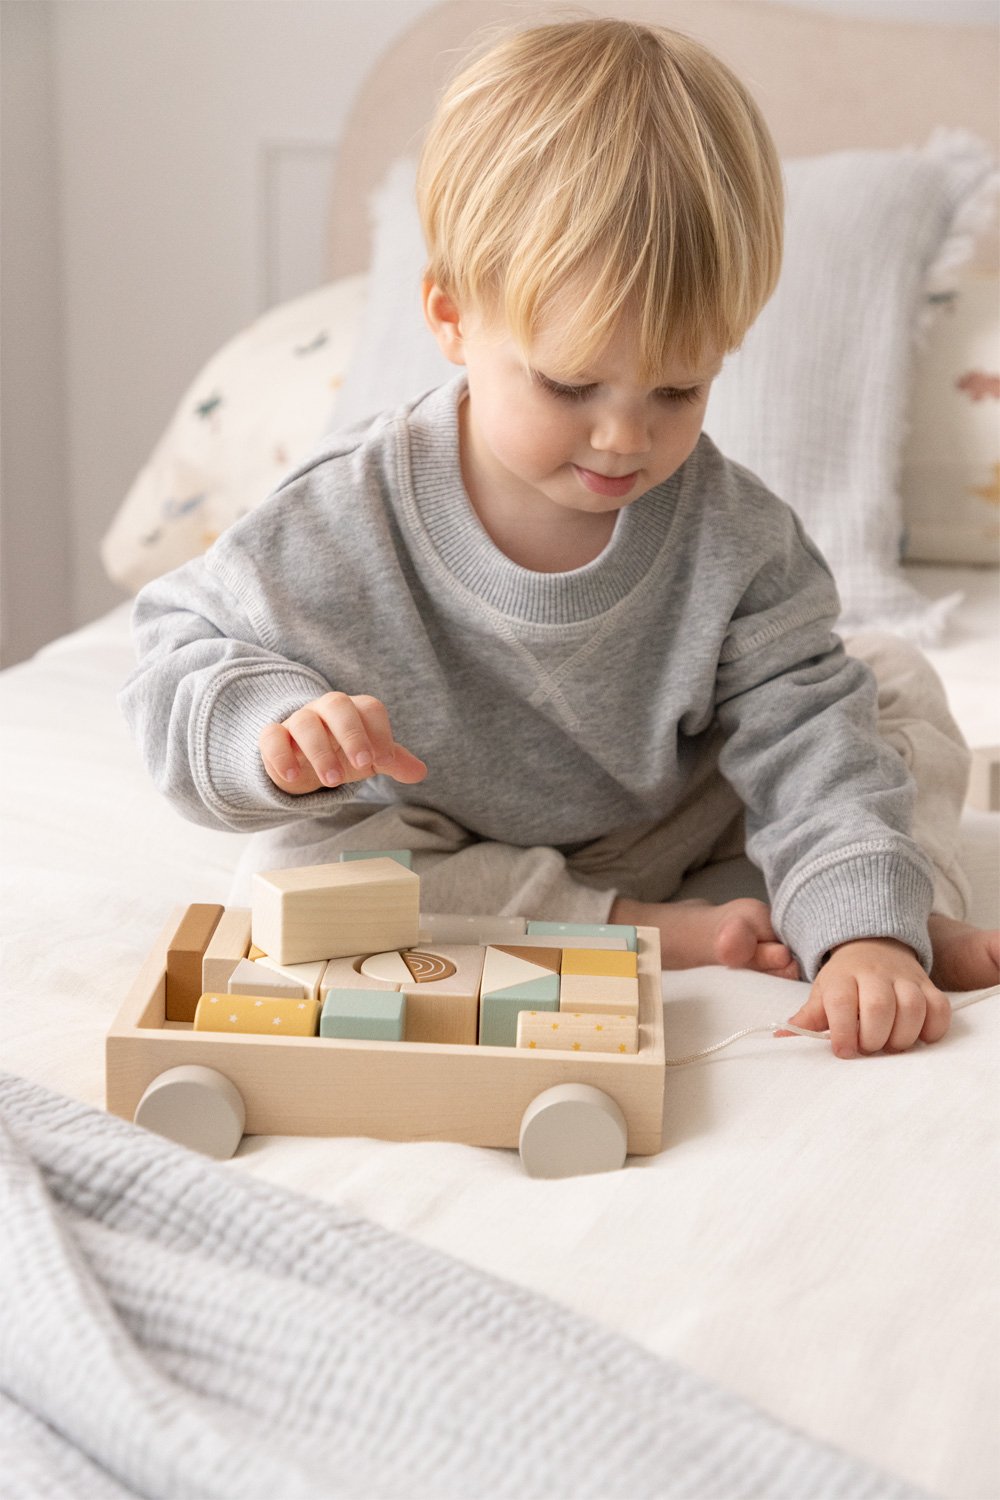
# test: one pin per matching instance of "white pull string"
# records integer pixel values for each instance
(772, 1026)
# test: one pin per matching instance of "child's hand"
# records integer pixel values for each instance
(873, 994)
(334, 740)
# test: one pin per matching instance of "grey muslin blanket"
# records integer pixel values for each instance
(171, 1327)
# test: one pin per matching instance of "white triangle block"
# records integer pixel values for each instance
(501, 971)
(308, 975)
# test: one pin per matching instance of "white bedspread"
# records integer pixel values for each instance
(817, 1236)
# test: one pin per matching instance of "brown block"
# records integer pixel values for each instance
(185, 953)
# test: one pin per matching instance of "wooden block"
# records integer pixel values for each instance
(364, 1015)
(388, 967)
(256, 952)
(585, 929)
(506, 965)
(595, 961)
(345, 974)
(576, 940)
(443, 927)
(401, 856)
(442, 995)
(984, 779)
(259, 1014)
(306, 975)
(228, 944)
(184, 959)
(335, 910)
(578, 1031)
(499, 1010)
(597, 992)
(253, 979)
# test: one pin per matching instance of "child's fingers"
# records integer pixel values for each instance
(357, 737)
(309, 732)
(938, 1017)
(811, 1016)
(405, 766)
(284, 762)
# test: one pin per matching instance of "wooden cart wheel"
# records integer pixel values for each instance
(571, 1129)
(196, 1107)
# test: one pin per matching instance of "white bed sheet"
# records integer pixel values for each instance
(817, 1236)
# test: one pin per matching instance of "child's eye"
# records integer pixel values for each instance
(567, 392)
(692, 394)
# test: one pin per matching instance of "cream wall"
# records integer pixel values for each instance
(152, 152)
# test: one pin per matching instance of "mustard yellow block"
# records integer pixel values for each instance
(255, 953)
(597, 961)
(261, 1014)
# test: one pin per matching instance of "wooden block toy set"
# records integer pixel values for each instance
(334, 1007)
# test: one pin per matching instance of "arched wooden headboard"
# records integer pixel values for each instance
(825, 82)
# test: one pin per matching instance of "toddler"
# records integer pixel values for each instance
(533, 625)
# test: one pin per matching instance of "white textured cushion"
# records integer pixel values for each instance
(815, 401)
(251, 413)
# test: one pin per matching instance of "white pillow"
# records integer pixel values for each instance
(253, 411)
(815, 400)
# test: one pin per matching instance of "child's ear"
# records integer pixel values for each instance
(444, 321)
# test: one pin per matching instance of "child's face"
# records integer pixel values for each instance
(587, 441)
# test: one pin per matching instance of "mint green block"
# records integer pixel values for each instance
(584, 929)
(498, 1010)
(401, 856)
(364, 1015)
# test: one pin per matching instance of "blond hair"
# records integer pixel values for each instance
(621, 162)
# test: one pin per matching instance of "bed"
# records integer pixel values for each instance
(797, 1295)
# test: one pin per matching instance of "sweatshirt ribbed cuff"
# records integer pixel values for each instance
(226, 762)
(880, 893)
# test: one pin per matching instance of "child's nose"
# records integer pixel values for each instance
(623, 431)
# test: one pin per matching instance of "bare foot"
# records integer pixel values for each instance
(737, 934)
(964, 957)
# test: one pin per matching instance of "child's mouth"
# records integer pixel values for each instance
(602, 484)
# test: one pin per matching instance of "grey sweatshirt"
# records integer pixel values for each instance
(550, 708)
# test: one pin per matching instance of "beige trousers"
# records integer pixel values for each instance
(696, 850)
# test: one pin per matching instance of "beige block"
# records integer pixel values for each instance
(443, 927)
(576, 940)
(388, 967)
(596, 992)
(335, 910)
(445, 1008)
(345, 974)
(306, 975)
(577, 1031)
(228, 944)
(253, 979)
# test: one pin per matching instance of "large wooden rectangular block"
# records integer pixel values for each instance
(184, 959)
(335, 910)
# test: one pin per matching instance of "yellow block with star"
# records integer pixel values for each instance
(606, 965)
(577, 1031)
(258, 1014)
